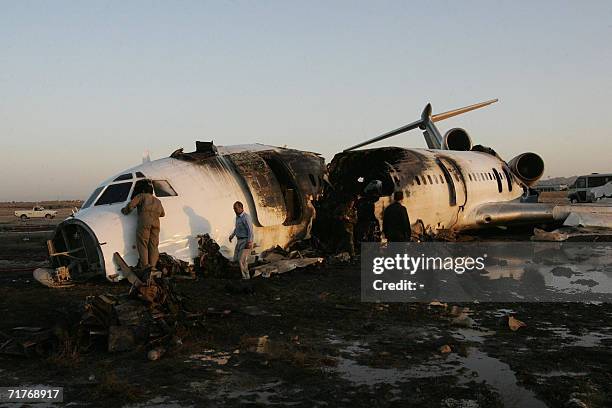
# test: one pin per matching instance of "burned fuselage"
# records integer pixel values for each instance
(443, 189)
(197, 190)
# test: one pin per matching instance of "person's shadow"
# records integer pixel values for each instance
(198, 225)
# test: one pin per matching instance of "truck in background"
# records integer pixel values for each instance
(36, 212)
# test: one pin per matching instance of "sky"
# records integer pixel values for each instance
(87, 87)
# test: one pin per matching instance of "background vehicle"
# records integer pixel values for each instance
(580, 191)
(603, 193)
(36, 212)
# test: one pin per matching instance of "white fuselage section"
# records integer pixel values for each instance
(203, 205)
(474, 181)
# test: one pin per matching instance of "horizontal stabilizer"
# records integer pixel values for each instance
(441, 116)
(426, 123)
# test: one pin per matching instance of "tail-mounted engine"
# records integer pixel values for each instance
(457, 139)
(528, 167)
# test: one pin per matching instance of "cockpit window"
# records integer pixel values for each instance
(92, 197)
(163, 189)
(127, 176)
(115, 193)
(139, 175)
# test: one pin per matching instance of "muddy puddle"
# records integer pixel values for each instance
(475, 365)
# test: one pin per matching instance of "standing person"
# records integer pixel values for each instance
(150, 210)
(367, 224)
(243, 231)
(346, 217)
(396, 224)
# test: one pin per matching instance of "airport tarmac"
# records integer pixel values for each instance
(323, 346)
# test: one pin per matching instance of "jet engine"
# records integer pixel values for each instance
(457, 139)
(528, 167)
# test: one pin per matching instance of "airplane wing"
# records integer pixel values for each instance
(517, 213)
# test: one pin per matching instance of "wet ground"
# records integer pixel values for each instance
(323, 347)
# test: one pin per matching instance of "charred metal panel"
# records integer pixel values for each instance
(264, 187)
(300, 175)
(306, 169)
(349, 172)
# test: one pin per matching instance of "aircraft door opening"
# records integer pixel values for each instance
(289, 190)
(452, 192)
(263, 187)
(498, 178)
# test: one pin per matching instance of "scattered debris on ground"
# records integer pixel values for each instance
(211, 261)
(175, 268)
(571, 233)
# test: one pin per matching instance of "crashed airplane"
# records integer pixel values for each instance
(197, 190)
(451, 185)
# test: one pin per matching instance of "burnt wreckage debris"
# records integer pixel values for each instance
(210, 261)
(152, 314)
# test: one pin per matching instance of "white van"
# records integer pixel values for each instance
(580, 191)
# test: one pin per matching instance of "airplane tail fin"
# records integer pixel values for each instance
(426, 122)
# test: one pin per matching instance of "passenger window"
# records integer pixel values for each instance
(597, 181)
(441, 179)
(115, 193)
(163, 189)
(417, 180)
(470, 176)
(92, 197)
(429, 178)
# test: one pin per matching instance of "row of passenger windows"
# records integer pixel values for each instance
(484, 176)
(439, 179)
(119, 192)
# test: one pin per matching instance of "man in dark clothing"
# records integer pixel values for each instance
(396, 224)
(367, 225)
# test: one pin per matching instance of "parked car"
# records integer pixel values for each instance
(36, 212)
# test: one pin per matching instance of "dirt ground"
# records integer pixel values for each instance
(8, 221)
(324, 346)
(557, 197)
